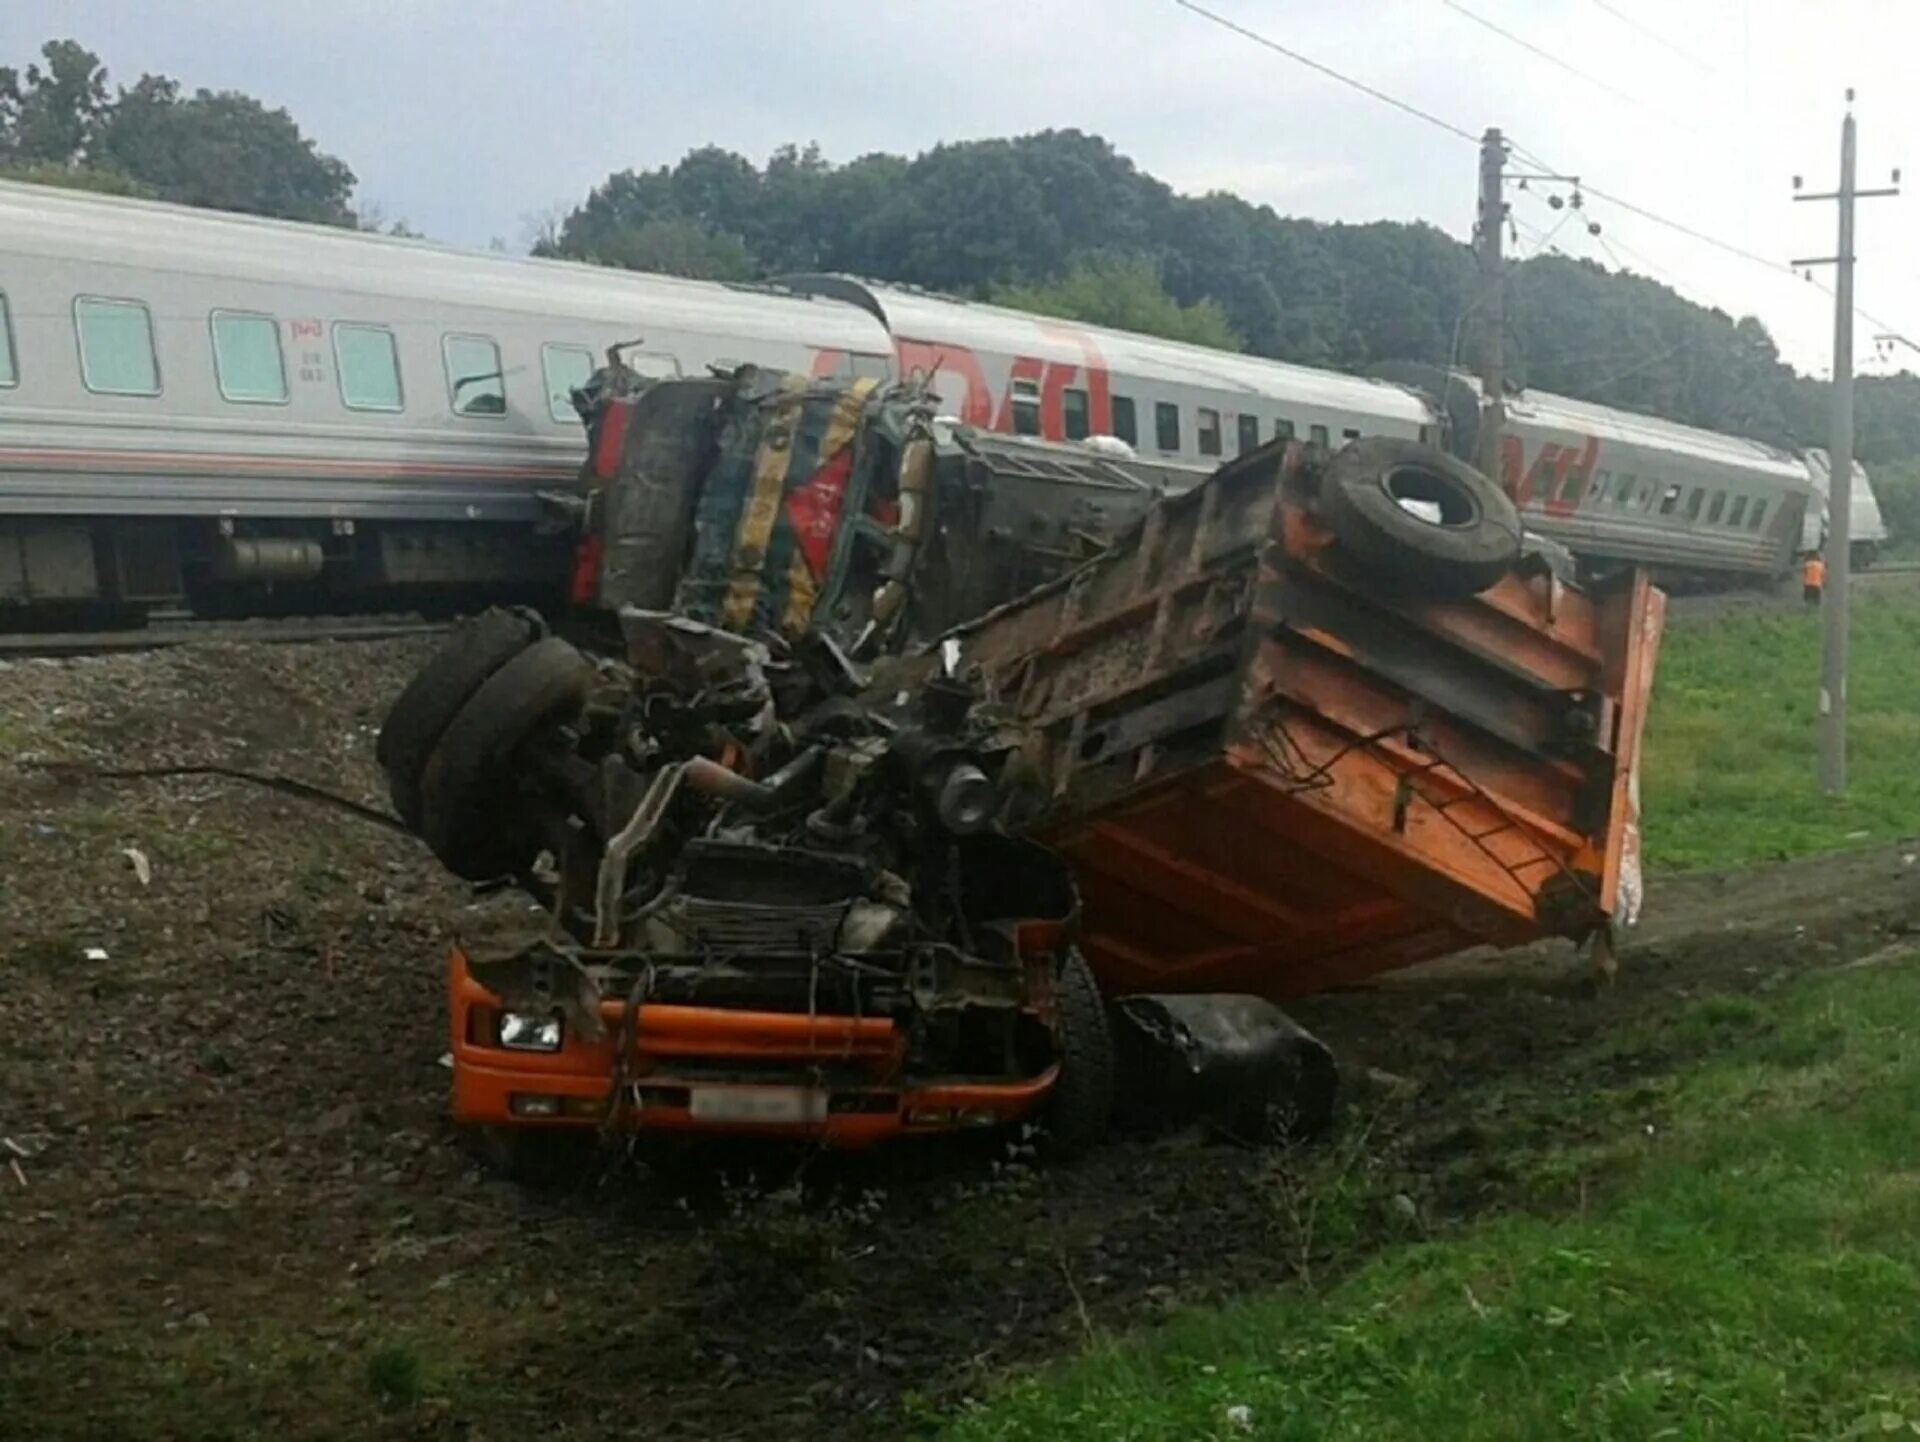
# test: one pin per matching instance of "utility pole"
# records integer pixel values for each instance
(1488, 232)
(1839, 580)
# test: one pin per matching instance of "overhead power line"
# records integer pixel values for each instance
(1644, 212)
(1655, 36)
(1327, 70)
(1547, 55)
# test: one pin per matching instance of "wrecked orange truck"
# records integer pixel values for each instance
(896, 779)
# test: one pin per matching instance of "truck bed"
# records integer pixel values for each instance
(1272, 772)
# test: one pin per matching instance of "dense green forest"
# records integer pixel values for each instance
(1058, 222)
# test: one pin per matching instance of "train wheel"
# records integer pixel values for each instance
(1080, 1107)
(421, 714)
(1419, 519)
(468, 811)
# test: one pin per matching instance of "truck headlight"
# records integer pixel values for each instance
(521, 1031)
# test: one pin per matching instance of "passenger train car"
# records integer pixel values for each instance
(228, 411)
(201, 405)
(1034, 375)
(1867, 529)
(1614, 487)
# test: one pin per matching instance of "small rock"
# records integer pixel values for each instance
(335, 1118)
(238, 1180)
(199, 1319)
(1390, 1082)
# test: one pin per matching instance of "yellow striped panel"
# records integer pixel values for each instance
(762, 509)
(802, 590)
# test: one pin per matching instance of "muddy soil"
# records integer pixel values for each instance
(230, 1205)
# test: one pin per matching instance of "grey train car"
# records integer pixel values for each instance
(225, 411)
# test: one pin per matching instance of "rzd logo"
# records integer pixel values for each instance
(1558, 478)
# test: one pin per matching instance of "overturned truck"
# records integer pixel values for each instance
(898, 779)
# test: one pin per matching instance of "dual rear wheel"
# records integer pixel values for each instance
(448, 743)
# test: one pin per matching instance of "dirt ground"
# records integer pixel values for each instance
(230, 1206)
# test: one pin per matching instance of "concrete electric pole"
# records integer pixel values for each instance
(1488, 232)
(1835, 597)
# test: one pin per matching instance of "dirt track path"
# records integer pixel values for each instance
(243, 1214)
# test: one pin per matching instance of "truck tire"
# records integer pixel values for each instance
(469, 811)
(1474, 541)
(416, 720)
(1080, 1107)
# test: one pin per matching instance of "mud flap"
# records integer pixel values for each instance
(1235, 1062)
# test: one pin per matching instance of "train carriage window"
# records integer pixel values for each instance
(9, 373)
(247, 360)
(1283, 429)
(1649, 493)
(116, 347)
(1026, 408)
(1249, 433)
(1209, 429)
(1351, 433)
(1693, 503)
(1073, 413)
(1318, 436)
(1739, 511)
(566, 368)
(1539, 484)
(475, 383)
(1670, 502)
(369, 366)
(1716, 507)
(1125, 424)
(1166, 425)
(1602, 484)
(1759, 514)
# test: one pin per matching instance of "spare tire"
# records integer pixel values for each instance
(415, 722)
(471, 811)
(1418, 519)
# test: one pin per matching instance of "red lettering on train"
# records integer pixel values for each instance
(1566, 473)
(936, 363)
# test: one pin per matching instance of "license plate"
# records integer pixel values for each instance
(758, 1104)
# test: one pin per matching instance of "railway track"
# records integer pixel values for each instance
(183, 632)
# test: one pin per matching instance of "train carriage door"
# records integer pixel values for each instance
(9, 366)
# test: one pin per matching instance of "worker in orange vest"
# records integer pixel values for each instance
(1813, 578)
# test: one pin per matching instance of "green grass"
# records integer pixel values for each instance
(1754, 1276)
(1729, 774)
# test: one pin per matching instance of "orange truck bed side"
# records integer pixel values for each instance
(1273, 771)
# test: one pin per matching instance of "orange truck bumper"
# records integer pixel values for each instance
(832, 1080)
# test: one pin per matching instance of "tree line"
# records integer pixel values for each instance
(1058, 222)
(61, 123)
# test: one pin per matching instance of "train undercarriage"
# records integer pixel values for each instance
(81, 571)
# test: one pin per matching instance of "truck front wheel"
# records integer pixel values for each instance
(1080, 1106)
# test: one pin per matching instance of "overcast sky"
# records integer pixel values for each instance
(467, 118)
